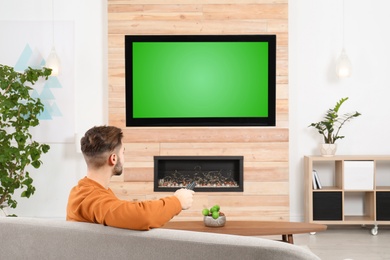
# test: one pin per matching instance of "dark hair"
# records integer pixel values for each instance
(99, 142)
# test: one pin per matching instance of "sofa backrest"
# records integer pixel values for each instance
(34, 238)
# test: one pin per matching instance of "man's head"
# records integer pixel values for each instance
(102, 145)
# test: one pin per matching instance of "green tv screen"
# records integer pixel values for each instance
(200, 80)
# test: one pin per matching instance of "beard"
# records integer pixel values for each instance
(118, 169)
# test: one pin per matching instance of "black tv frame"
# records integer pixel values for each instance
(270, 120)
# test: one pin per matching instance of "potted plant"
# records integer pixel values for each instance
(331, 125)
(213, 217)
(19, 112)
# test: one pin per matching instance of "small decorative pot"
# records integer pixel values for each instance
(210, 222)
(328, 150)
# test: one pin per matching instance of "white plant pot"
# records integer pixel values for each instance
(210, 222)
(328, 150)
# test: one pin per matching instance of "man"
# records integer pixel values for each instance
(92, 201)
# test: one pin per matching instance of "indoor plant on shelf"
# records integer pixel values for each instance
(330, 127)
(19, 112)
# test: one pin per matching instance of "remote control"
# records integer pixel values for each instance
(191, 186)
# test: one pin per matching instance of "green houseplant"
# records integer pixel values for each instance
(332, 123)
(19, 112)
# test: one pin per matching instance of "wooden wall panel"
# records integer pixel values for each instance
(265, 149)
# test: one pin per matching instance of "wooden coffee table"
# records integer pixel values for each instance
(251, 228)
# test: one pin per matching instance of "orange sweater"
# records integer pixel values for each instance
(91, 202)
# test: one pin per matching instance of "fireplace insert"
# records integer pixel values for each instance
(211, 173)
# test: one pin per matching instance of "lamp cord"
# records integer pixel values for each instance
(52, 20)
(343, 24)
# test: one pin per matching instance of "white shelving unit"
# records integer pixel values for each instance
(355, 190)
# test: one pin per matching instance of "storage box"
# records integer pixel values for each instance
(327, 206)
(358, 175)
(383, 205)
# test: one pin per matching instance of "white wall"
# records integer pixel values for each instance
(63, 166)
(315, 29)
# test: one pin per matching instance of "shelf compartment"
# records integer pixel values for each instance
(329, 173)
(359, 205)
(382, 175)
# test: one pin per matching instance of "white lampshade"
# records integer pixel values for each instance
(53, 62)
(344, 65)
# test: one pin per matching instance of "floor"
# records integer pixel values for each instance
(348, 242)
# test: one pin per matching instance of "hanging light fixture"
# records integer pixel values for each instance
(53, 61)
(344, 65)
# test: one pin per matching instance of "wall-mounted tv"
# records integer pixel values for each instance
(200, 80)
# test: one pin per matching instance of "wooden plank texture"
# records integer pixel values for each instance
(265, 149)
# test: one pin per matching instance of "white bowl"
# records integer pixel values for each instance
(210, 222)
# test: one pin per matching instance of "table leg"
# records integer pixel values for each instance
(288, 238)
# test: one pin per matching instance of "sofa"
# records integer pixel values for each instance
(39, 238)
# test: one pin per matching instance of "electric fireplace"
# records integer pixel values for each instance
(211, 173)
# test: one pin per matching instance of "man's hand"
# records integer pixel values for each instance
(185, 197)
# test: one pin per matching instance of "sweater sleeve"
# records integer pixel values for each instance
(104, 207)
(140, 215)
(90, 202)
